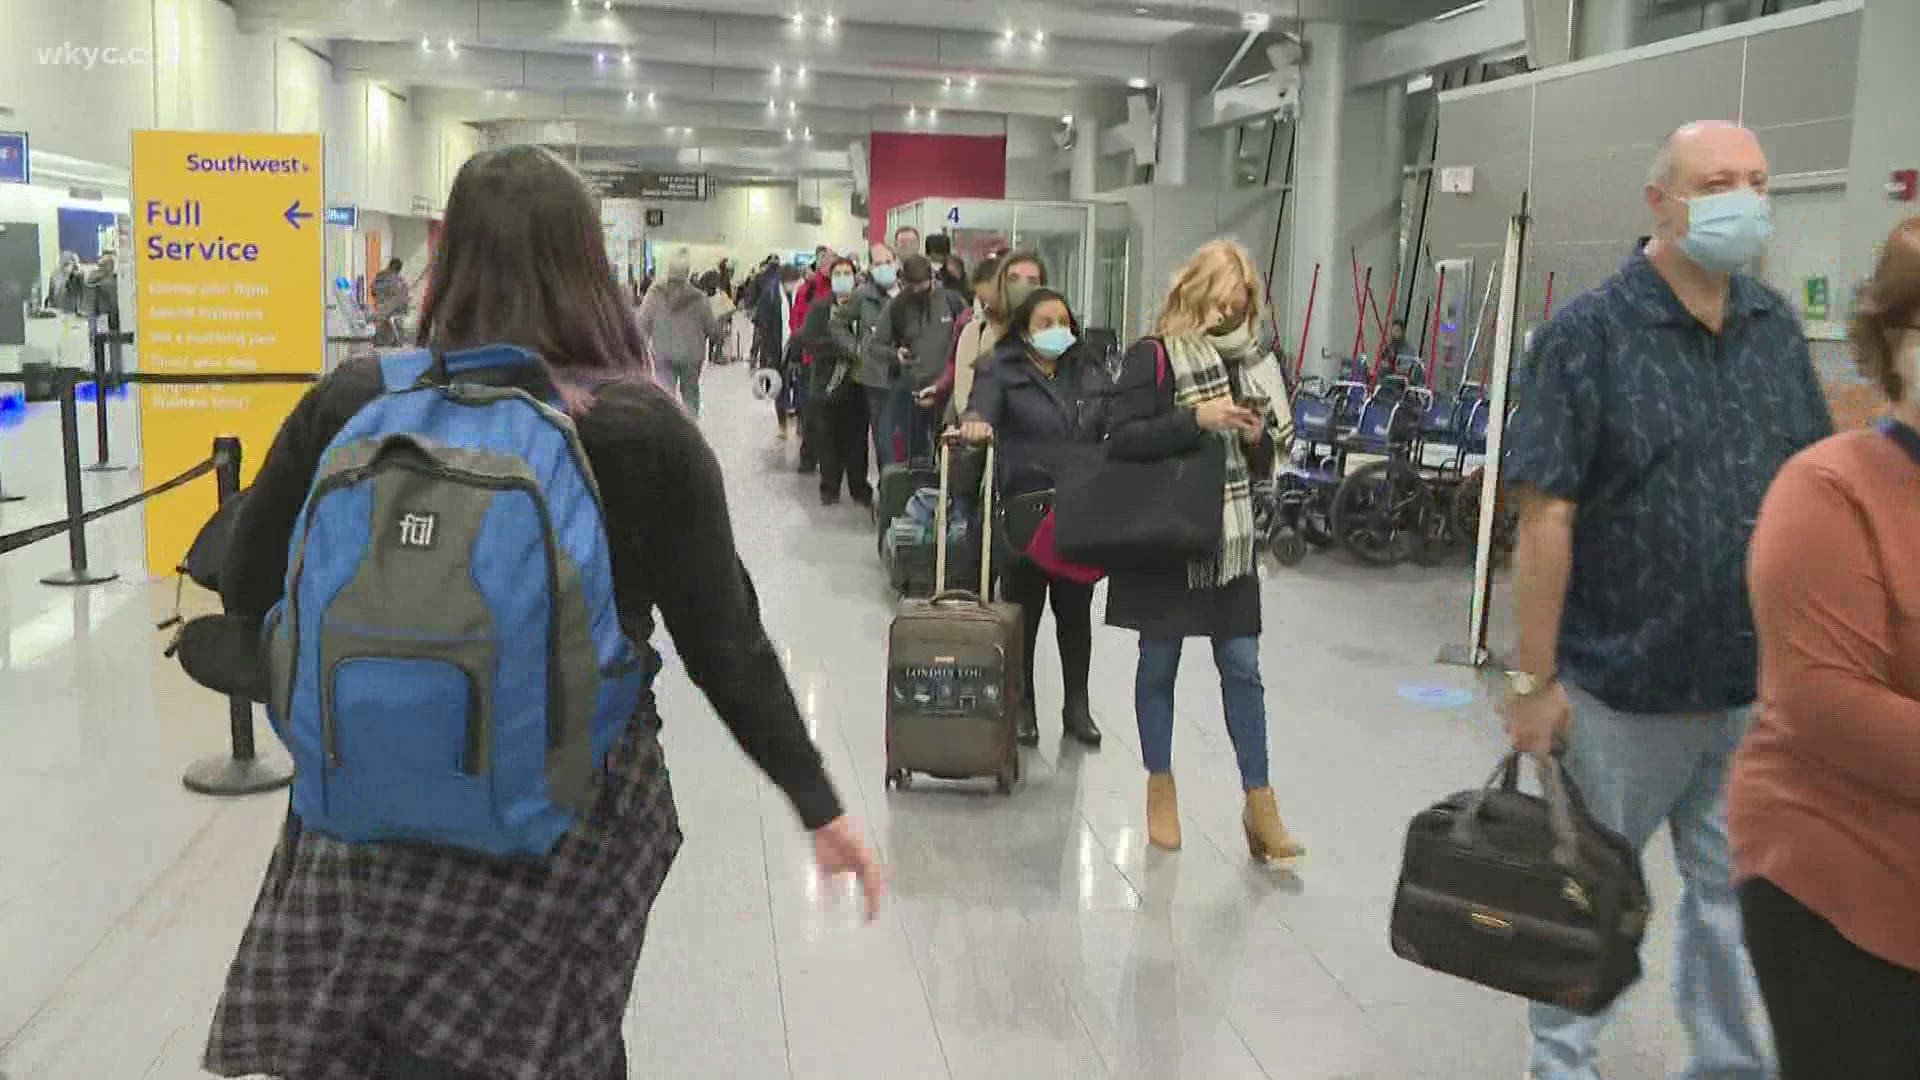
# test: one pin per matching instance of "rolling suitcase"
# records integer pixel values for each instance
(954, 673)
(1523, 894)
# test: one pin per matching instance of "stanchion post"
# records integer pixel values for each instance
(76, 572)
(241, 772)
(102, 377)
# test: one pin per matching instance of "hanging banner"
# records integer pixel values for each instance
(227, 235)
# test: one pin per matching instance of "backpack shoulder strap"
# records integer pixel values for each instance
(404, 369)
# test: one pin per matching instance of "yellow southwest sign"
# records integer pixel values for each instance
(229, 270)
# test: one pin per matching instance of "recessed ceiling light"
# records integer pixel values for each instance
(629, 97)
(1141, 11)
(789, 134)
(792, 106)
(452, 46)
(1067, 119)
(933, 116)
(799, 18)
(425, 45)
(913, 112)
(1039, 37)
(973, 83)
(599, 58)
(689, 133)
(1009, 34)
(829, 22)
(808, 133)
(947, 82)
(800, 72)
(626, 57)
(1137, 84)
(652, 99)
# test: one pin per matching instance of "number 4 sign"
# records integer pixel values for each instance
(953, 215)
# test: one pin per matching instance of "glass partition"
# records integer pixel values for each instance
(1059, 232)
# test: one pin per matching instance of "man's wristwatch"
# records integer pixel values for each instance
(1526, 684)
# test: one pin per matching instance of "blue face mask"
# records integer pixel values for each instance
(1053, 341)
(843, 284)
(1728, 230)
(885, 274)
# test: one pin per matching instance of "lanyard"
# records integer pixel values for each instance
(1902, 435)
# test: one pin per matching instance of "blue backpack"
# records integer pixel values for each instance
(447, 664)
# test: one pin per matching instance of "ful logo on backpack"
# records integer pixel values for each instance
(448, 665)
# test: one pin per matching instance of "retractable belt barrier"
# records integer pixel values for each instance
(241, 771)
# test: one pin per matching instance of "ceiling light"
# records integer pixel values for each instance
(606, 5)
(452, 47)
(425, 45)
(630, 97)
(599, 58)
(800, 72)
(689, 133)
(933, 116)
(1067, 119)
(913, 112)
(1039, 37)
(1137, 84)
(808, 133)
(789, 134)
(799, 18)
(973, 83)
(947, 82)
(829, 22)
(1459, 11)
(626, 57)
(1009, 35)
(652, 99)
(1141, 11)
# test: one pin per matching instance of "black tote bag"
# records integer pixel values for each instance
(1139, 515)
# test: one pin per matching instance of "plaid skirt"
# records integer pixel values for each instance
(517, 969)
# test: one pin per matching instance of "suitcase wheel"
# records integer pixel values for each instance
(899, 780)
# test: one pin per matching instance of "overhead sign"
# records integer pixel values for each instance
(16, 162)
(227, 234)
(346, 217)
(677, 187)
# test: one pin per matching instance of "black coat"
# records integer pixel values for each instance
(769, 321)
(1146, 426)
(1033, 416)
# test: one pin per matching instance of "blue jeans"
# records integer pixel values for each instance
(1637, 771)
(684, 381)
(1241, 692)
(900, 426)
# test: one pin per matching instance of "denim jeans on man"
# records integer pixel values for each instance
(1241, 692)
(1638, 771)
(901, 428)
(682, 379)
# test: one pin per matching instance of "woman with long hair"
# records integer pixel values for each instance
(1015, 276)
(1200, 376)
(403, 961)
(1824, 801)
(1030, 398)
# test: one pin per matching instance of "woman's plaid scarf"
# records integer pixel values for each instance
(1200, 374)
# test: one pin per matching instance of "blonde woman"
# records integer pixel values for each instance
(1203, 376)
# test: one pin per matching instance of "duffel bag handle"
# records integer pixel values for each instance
(1506, 775)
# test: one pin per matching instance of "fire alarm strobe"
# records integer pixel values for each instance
(1905, 185)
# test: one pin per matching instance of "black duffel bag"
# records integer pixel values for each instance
(1139, 515)
(1523, 894)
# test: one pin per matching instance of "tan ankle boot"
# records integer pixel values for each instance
(1267, 838)
(1163, 812)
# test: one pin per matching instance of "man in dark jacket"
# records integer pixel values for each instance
(910, 343)
(771, 319)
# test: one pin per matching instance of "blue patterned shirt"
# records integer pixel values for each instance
(1667, 437)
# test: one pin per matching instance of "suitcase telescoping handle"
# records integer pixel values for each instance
(941, 593)
(1566, 841)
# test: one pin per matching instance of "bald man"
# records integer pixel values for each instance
(1655, 411)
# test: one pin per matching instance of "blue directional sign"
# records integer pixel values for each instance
(16, 162)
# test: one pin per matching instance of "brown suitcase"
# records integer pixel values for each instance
(954, 672)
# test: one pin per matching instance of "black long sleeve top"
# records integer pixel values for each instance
(672, 546)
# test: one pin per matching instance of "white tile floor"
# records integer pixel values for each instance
(1026, 937)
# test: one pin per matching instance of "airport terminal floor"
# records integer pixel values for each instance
(1031, 937)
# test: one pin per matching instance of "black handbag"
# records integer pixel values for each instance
(1139, 515)
(1020, 517)
(1523, 894)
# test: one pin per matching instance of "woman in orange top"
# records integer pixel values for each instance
(1825, 796)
